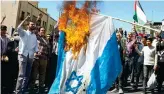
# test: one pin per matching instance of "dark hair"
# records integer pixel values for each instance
(150, 39)
(3, 28)
(160, 46)
(40, 28)
(145, 37)
(30, 21)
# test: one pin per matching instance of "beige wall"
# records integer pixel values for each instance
(46, 20)
(10, 9)
(13, 11)
(51, 24)
(27, 7)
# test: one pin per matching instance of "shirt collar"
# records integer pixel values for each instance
(29, 32)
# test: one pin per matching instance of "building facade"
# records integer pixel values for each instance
(145, 30)
(154, 25)
(16, 11)
(162, 27)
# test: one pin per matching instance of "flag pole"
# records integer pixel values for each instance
(135, 24)
(135, 29)
(130, 22)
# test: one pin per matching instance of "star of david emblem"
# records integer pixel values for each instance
(73, 83)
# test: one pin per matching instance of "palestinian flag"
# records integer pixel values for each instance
(139, 15)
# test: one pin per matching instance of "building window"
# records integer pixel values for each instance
(22, 15)
(45, 25)
(41, 23)
(50, 28)
(34, 18)
(28, 13)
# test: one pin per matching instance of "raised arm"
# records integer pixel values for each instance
(19, 28)
(23, 21)
(137, 50)
(3, 19)
(38, 21)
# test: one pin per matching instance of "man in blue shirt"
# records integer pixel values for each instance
(28, 47)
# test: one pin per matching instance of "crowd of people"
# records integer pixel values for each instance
(27, 56)
(30, 54)
(141, 55)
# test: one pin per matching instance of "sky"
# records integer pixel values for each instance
(154, 10)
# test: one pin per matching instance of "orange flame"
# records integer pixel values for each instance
(75, 23)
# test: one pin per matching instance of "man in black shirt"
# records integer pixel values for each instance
(159, 65)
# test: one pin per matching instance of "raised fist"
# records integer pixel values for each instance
(40, 16)
(4, 16)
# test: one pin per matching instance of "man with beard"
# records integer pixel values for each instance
(28, 48)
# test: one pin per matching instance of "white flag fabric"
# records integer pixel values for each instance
(141, 15)
(96, 68)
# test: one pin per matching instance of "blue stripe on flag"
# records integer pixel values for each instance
(106, 69)
(61, 51)
(55, 88)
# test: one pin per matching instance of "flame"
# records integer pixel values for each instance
(75, 23)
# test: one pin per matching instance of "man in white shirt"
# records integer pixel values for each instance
(149, 61)
(28, 47)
